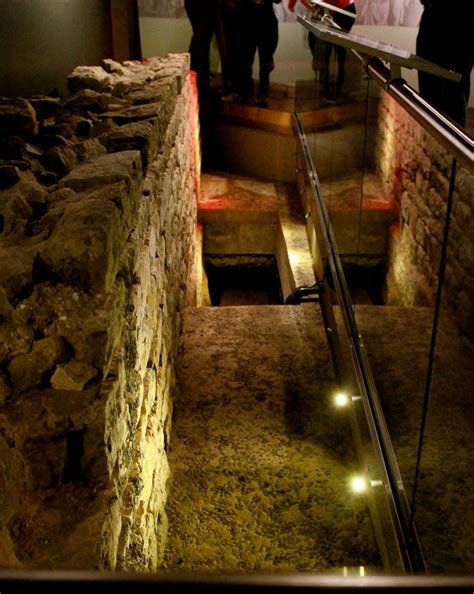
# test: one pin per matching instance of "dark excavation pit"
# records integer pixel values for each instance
(236, 281)
(366, 284)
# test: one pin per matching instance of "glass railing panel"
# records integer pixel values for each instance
(443, 501)
(164, 28)
(339, 319)
(396, 322)
(334, 124)
(340, 135)
(417, 352)
(403, 204)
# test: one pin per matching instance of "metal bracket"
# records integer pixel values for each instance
(305, 294)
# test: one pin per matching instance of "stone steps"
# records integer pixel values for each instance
(361, 213)
(244, 217)
(254, 141)
(260, 459)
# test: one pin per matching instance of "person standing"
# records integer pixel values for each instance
(260, 34)
(446, 37)
(322, 52)
(234, 25)
(205, 17)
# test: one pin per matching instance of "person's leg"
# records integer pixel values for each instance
(231, 24)
(267, 45)
(198, 12)
(219, 32)
(190, 8)
(318, 52)
(426, 47)
(329, 91)
(341, 65)
(346, 23)
(247, 47)
(459, 48)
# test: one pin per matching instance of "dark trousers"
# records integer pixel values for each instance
(206, 20)
(322, 63)
(260, 34)
(447, 40)
(234, 25)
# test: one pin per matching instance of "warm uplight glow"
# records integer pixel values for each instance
(295, 258)
(341, 399)
(376, 483)
(358, 484)
(351, 571)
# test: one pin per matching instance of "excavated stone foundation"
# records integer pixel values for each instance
(98, 216)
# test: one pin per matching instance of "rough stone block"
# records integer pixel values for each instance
(21, 202)
(142, 136)
(88, 77)
(153, 92)
(47, 457)
(61, 159)
(72, 376)
(90, 100)
(13, 478)
(9, 176)
(104, 170)
(18, 256)
(89, 329)
(17, 116)
(89, 149)
(46, 107)
(31, 369)
(136, 112)
(113, 67)
(84, 247)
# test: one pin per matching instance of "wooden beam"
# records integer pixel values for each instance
(125, 30)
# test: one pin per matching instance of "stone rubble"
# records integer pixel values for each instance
(97, 228)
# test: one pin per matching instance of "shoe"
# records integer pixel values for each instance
(231, 98)
(329, 96)
(262, 95)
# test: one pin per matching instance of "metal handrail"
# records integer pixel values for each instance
(459, 144)
(72, 582)
(448, 133)
(410, 549)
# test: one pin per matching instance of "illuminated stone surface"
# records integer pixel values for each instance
(416, 170)
(97, 249)
(260, 459)
(360, 217)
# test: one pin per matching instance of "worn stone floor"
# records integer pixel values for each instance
(261, 459)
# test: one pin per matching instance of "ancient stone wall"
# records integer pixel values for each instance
(416, 170)
(97, 223)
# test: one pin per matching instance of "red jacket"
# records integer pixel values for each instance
(339, 3)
